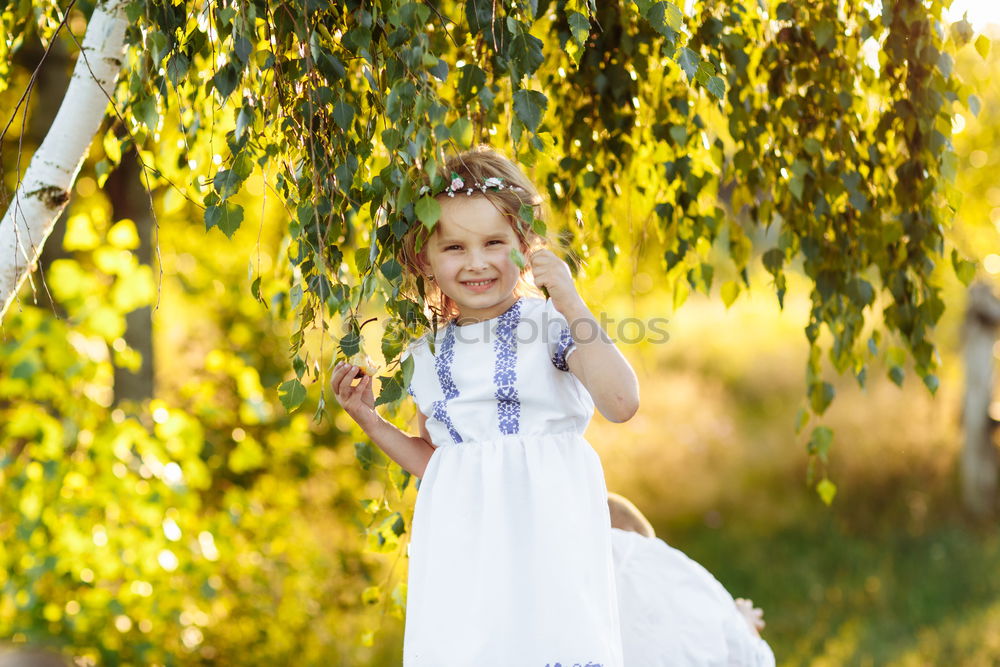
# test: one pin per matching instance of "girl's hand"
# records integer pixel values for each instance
(553, 274)
(754, 616)
(358, 400)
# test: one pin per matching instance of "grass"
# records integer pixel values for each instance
(833, 597)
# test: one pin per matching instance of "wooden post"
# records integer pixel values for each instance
(979, 455)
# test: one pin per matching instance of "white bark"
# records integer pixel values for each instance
(979, 455)
(45, 189)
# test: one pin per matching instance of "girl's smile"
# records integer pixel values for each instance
(480, 286)
(469, 257)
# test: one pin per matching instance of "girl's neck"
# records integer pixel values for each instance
(475, 316)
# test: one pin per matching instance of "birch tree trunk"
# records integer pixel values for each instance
(979, 455)
(45, 189)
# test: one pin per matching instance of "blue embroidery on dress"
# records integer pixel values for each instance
(442, 363)
(565, 342)
(505, 371)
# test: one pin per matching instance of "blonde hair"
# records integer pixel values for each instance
(475, 166)
(626, 516)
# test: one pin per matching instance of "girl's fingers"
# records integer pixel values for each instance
(338, 374)
(345, 382)
(360, 386)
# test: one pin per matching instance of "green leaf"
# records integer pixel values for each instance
(579, 27)
(801, 419)
(392, 270)
(439, 70)
(428, 211)
(226, 216)
(367, 455)
(716, 86)
(390, 392)
(243, 48)
(665, 18)
(227, 182)
(820, 396)
(399, 478)
(932, 383)
(350, 344)
(27, 368)
(974, 105)
(530, 106)
(243, 165)
(243, 119)
(861, 292)
(826, 490)
(225, 80)
(255, 291)
(964, 269)
(983, 46)
(689, 61)
(525, 54)
(673, 16)
(343, 115)
(773, 260)
(681, 293)
(527, 213)
(730, 290)
(461, 132)
(517, 257)
(292, 394)
(820, 441)
(823, 32)
(177, 68)
(145, 111)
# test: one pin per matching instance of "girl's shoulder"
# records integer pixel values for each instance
(536, 309)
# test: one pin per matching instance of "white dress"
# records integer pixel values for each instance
(674, 612)
(510, 559)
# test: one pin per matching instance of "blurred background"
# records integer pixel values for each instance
(159, 506)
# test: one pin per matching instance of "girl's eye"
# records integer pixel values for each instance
(452, 246)
(495, 242)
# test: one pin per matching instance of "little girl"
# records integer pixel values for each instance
(510, 551)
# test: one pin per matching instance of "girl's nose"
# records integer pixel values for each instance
(476, 260)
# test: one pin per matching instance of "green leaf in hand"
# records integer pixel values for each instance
(517, 257)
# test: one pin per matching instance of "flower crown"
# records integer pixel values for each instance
(458, 185)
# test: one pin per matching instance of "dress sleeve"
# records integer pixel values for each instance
(558, 336)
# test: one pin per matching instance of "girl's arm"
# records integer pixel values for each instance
(597, 362)
(410, 452)
(600, 365)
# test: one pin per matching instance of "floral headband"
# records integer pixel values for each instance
(459, 185)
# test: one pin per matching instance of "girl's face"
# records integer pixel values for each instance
(469, 256)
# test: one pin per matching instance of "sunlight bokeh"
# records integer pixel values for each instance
(981, 13)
